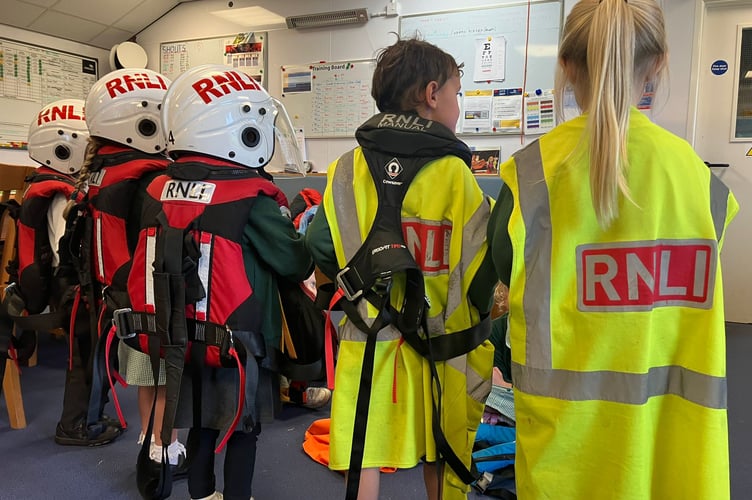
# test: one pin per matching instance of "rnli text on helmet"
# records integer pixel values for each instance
(130, 82)
(53, 113)
(221, 84)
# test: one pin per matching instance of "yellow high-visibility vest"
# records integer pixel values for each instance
(617, 335)
(447, 241)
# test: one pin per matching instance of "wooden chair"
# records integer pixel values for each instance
(11, 187)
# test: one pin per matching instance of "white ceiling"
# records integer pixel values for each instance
(101, 23)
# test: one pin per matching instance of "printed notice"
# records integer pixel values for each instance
(490, 58)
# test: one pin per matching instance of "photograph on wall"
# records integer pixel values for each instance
(485, 161)
(296, 79)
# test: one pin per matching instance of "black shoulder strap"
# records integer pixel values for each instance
(384, 253)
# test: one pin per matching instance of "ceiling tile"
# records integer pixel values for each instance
(110, 37)
(101, 12)
(144, 14)
(18, 13)
(65, 26)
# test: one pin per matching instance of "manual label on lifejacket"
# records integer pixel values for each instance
(193, 191)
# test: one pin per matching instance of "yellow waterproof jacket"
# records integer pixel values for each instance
(617, 335)
(446, 239)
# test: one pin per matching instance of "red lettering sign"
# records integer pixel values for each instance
(134, 81)
(222, 84)
(64, 112)
(429, 244)
(642, 275)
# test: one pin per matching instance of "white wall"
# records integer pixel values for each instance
(22, 157)
(193, 20)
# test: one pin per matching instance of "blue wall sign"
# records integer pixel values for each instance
(719, 67)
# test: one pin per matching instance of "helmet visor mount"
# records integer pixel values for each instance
(291, 159)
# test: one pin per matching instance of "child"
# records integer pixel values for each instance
(125, 153)
(221, 127)
(443, 216)
(616, 315)
(57, 141)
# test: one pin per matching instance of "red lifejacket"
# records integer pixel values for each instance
(113, 184)
(190, 292)
(213, 211)
(34, 251)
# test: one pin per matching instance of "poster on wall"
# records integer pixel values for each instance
(490, 58)
(243, 51)
(32, 77)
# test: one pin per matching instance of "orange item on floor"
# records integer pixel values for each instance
(316, 443)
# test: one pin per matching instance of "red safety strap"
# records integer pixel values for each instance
(108, 344)
(241, 401)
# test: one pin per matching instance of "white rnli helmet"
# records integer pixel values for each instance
(58, 136)
(124, 106)
(222, 112)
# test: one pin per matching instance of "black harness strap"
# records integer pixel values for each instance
(171, 326)
(369, 275)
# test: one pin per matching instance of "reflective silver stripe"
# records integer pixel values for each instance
(718, 204)
(619, 387)
(100, 250)
(345, 209)
(478, 387)
(203, 274)
(343, 197)
(537, 375)
(473, 237)
(150, 255)
(536, 213)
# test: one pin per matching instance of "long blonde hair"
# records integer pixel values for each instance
(609, 50)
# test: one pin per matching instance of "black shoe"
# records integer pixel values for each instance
(180, 470)
(108, 421)
(80, 436)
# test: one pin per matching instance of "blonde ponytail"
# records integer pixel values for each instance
(610, 60)
(609, 49)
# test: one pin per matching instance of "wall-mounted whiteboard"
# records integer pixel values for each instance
(328, 99)
(244, 51)
(492, 43)
(33, 76)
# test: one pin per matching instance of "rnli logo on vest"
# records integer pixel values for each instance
(640, 276)
(428, 241)
(222, 84)
(135, 81)
(54, 113)
(195, 192)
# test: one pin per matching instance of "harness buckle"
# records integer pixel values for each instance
(351, 293)
(123, 327)
(483, 482)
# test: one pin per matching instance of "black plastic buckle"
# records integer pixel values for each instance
(351, 293)
(123, 327)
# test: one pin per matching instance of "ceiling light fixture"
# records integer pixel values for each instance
(324, 19)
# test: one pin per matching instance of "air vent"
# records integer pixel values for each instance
(337, 18)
